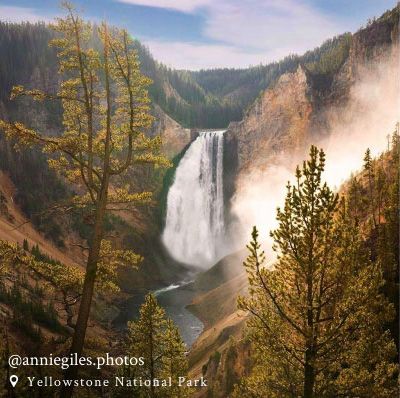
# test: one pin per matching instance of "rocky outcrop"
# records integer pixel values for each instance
(174, 137)
(295, 111)
(279, 121)
(374, 43)
(225, 368)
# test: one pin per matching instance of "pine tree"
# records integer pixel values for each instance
(316, 317)
(157, 340)
(146, 338)
(355, 198)
(105, 115)
(369, 170)
(174, 361)
(380, 187)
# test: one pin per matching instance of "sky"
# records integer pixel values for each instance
(202, 34)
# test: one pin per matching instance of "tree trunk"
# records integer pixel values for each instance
(152, 391)
(78, 339)
(309, 375)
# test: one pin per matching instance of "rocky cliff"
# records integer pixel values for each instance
(278, 121)
(297, 109)
(174, 137)
(302, 107)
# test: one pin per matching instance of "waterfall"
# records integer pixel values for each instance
(194, 228)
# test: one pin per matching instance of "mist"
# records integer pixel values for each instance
(364, 122)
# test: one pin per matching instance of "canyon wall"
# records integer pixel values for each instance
(174, 137)
(353, 108)
(296, 110)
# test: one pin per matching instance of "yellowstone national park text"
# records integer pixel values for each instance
(118, 381)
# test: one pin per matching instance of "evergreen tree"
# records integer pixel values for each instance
(369, 170)
(157, 340)
(355, 198)
(105, 115)
(146, 339)
(316, 317)
(174, 361)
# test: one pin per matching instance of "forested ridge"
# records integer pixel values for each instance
(204, 99)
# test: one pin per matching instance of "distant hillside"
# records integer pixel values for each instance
(202, 99)
(205, 99)
(213, 98)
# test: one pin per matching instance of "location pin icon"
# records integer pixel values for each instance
(13, 380)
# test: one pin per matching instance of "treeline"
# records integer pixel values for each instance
(212, 98)
(205, 99)
(323, 321)
(27, 59)
(38, 188)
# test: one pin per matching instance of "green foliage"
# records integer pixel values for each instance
(318, 316)
(157, 340)
(30, 309)
(40, 256)
(333, 54)
(373, 198)
(26, 59)
(38, 187)
(204, 99)
(24, 324)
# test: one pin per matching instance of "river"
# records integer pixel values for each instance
(174, 300)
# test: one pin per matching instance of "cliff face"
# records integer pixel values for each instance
(278, 121)
(301, 108)
(174, 137)
(375, 43)
(297, 109)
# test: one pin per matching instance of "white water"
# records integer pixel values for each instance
(194, 229)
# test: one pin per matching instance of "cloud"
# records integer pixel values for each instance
(244, 32)
(256, 200)
(269, 24)
(186, 6)
(21, 14)
(366, 122)
(237, 33)
(195, 56)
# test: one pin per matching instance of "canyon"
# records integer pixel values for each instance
(302, 105)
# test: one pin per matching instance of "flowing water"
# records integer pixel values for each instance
(174, 300)
(194, 229)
